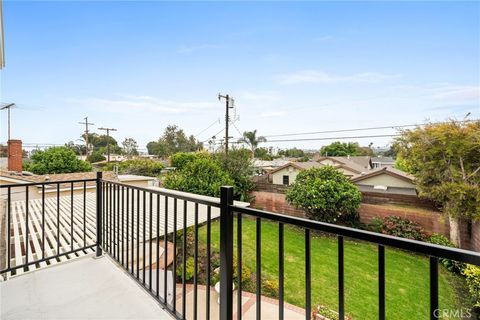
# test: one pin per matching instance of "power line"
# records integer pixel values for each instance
(233, 124)
(336, 138)
(216, 121)
(215, 135)
(357, 129)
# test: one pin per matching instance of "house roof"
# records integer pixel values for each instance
(59, 177)
(355, 164)
(385, 170)
(299, 165)
(269, 163)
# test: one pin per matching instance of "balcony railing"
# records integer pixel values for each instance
(135, 225)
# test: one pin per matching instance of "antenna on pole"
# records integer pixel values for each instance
(7, 107)
(108, 140)
(228, 105)
(86, 123)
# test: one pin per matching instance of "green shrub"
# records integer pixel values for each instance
(270, 287)
(376, 225)
(325, 194)
(189, 270)
(404, 228)
(451, 265)
(181, 159)
(95, 157)
(56, 160)
(472, 276)
(201, 176)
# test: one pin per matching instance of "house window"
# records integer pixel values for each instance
(286, 180)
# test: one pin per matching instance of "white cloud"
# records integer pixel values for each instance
(455, 92)
(134, 104)
(314, 76)
(204, 46)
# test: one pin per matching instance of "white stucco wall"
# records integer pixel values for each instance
(292, 172)
(386, 180)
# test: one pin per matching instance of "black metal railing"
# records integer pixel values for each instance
(145, 231)
(229, 211)
(45, 223)
(136, 222)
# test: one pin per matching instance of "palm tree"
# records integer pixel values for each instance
(250, 138)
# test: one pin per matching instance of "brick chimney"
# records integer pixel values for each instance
(15, 154)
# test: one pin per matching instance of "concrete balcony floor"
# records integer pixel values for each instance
(85, 288)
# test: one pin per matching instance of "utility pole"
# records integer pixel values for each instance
(8, 107)
(108, 140)
(228, 105)
(86, 123)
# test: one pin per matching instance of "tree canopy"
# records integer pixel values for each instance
(250, 138)
(56, 160)
(445, 160)
(143, 167)
(239, 166)
(294, 153)
(173, 140)
(343, 149)
(130, 147)
(325, 194)
(100, 143)
(200, 176)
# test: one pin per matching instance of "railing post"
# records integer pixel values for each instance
(99, 214)
(226, 253)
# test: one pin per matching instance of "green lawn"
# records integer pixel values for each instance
(407, 275)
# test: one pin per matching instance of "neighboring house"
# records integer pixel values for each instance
(349, 166)
(286, 174)
(262, 166)
(381, 162)
(386, 180)
(138, 181)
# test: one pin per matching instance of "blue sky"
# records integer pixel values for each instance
(292, 67)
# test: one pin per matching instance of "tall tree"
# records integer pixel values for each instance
(130, 147)
(173, 140)
(340, 149)
(251, 139)
(445, 160)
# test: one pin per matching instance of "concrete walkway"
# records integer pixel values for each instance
(85, 288)
(269, 306)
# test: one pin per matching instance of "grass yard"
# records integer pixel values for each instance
(407, 275)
